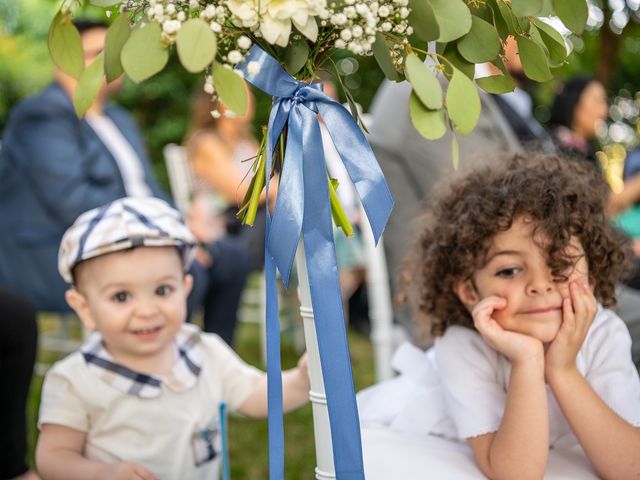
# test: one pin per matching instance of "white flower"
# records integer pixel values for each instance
(171, 26)
(357, 31)
(194, 4)
(181, 16)
(346, 35)
(215, 114)
(383, 11)
(234, 56)
(278, 16)
(244, 42)
(340, 44)
(253, 68)
(215, 27)
(171, 9)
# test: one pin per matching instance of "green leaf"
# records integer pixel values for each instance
(481, 44)
(534, 35)
(506, 14)
(296, 55)
(196, 45)
(117, 36)
(383, 57)
(527, 8)
(423, 20)
(89, 83)
(230, 88)
(431, 124)
(496, 84)
(65, 46)
(455, 152)
(573, 14)
(534, 60)
(425, 84)
(463, 102)
(454, 18)
(498, 21)
(547, 9)
(451, 53)
(554, 42)
(105, 3)
(144, 55)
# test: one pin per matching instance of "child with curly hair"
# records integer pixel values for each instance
(514, 272)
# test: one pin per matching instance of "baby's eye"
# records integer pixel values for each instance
(508, 272)
(164, 290)
(120, 297)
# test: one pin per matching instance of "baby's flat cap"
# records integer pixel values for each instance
(123, 224)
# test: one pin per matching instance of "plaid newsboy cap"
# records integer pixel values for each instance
(120, 225)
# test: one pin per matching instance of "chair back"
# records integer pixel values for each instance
(180, 176)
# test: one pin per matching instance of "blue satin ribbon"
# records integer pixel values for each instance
(302, 206)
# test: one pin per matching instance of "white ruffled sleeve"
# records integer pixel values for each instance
(472, 377)
(608, 367)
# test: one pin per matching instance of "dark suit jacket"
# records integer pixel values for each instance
(53, 167)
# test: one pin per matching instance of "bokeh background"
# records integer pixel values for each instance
(609, 50)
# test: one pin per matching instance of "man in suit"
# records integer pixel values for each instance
(54, 166)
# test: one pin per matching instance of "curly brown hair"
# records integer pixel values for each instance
(563, 198)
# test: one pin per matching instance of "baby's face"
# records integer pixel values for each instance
(137, 300)
(517, 271)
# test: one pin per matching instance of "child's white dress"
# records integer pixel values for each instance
(414, 425)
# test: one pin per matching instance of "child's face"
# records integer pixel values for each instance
(517, 271)
(137, 300)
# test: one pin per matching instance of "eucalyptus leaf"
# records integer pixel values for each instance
(425, 84)
(573, 14)
(453, 56)
(534, 60)
(534, 35)
(453, 17)
(65, 46)
(463, 102)
(431, 124)
(507, 17)
(196, 45)
(383, 57)
(554, 41)
(547, 8)
(498, 21)
(105, 3)
(296, 55)
(481, 44)
(496, 84)
(527, 8)
(423, 20)
(89, 83)
(144, 55)
(117, 36)
(230, 88)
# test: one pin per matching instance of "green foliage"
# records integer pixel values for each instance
(196, 45)
(117, 35)
(430, 123)
(143, 55)
(231, 88)
(453, 17)
(463, 102)
(296, 56)
(425, 84)
(383, 57)
(65, 46)
(481, 44)
(423, 19)
(88, 85)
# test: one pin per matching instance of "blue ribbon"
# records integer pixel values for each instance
(302, 206)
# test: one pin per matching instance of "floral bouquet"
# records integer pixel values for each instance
(281, 46)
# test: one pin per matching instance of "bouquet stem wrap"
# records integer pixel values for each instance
(303, 207)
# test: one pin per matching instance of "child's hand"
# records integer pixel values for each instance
(125, 471)
(517, 347)
(578, 311)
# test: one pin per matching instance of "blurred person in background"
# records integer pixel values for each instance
(221, 150)
(18, 342)
(54, 166)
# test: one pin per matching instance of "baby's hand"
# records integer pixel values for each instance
(578, 312)
(125, 471)
(303, 370)
(516, 347)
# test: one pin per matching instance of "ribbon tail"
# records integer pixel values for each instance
(361, 164)
(283, 237)
(327, 307)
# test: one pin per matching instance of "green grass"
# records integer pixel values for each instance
(248, 438)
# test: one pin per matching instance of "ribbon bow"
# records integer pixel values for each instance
(302, 206)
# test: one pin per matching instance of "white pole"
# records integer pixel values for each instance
(325, 468)
(380, 310)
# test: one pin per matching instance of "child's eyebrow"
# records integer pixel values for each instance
(503, 252)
